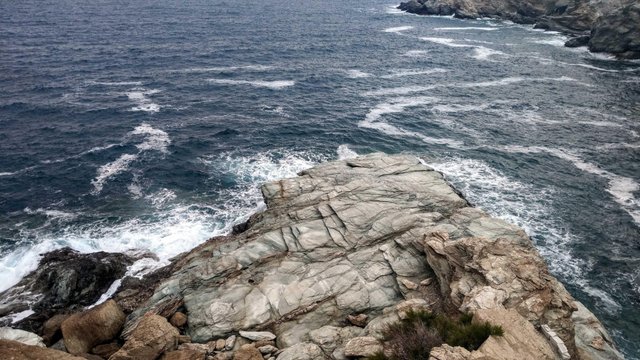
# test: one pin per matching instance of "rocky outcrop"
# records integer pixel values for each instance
(605, 26)
(65, 281)
(618, 32)
(21, 336)
(341, 252)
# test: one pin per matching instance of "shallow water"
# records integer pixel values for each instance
(151, 124)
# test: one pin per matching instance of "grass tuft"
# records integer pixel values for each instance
(414, 337)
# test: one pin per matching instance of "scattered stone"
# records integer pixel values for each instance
(178, 320)
(446, 352)
(267, 349)
(426, 282)
(358, 320)
(247, 352)
(257, 335)
(362, 346)
(83, 331)
(59, 345)
(220, 344)
(11, 350)
(151, 337)
(230, 342)
(408, 283)
(106, 350)
(21, 336)
(263, 343)
(302, 351)
(328, 337)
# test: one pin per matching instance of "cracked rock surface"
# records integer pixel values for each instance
(372, 235)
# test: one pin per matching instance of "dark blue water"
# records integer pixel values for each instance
(150, 125)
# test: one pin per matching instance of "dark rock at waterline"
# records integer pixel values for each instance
(614, 25)
(64, 281)
(618, 32)
(226, 133)
(578, 41)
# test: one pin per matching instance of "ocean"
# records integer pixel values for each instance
(151, 125)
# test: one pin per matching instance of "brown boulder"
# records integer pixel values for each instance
(247, 352)
(51, 331)
(178, 320)
(83, 331)
(151, 337)
(13, 350)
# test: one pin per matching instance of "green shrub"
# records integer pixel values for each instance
(414, 337)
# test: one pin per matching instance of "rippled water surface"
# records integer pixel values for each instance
(151, 124)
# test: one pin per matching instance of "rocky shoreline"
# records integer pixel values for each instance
(341, 252)
(603, 26)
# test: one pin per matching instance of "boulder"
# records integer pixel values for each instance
(152, 336)
(178, 320)
(10, 350)
(302, 351)
(257, 335)
(358, 320)
(52, 328)
(82, 331)
(362, 346)
(247, 352)
(21, 336)
(578, 41)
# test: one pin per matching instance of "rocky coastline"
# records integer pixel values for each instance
(603, 26)
(342, 251)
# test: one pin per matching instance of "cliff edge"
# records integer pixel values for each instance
(342, 251)
(604, 26)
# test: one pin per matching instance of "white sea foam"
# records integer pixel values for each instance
(397, 74)
(117, 83)
(405, 90)
(415, 53)
(357, 74)
(619, 187)
(140, 96)
(397, 29)
(397, 105)
(485, 53)
(225, 69)
(517, 203)
(154, 139)
(111, 169)
(21, 315)
(51, 213)
(446, 41)
(555, 41)
(344, 152)
(275, 84)
(468, 28)
(176, 226)
(7, 173)
(393, 9)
